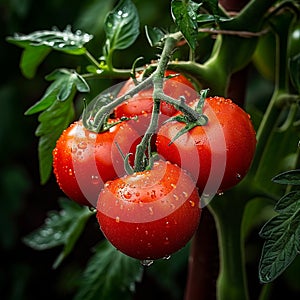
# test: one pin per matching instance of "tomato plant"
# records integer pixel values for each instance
(224, 146)
(150, 214)
(109, 145)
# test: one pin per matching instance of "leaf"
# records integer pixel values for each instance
(64, 81)
(294, 66)
(110, 275)
(154, 35)
(66, 41)
(282, 234)
(289, 177)
(31, 58)
(288, 202)
(52, 123)
(60, 228)
(184, 14)
(121, 27)
(211, 6)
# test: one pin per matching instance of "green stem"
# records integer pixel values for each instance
(91, 58)
(231, 283)
(269, 121)
(157, 76)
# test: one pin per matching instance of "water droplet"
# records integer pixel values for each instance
(192, 203)
(185, 194)
(146, 232)
(151, 210)
(82, 145)
(57, 235)
(172, 206)
(167, 257)
(117, 219)
(173, 185)
(70, 172)
(220, 193)
(238, 176)
(149, 245)
(176, 197)
(153, 194)
(127, 195)
(147, 262)
(95, 180)
(166, 242)
(73, 149)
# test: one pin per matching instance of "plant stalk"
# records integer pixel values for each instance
(228, 213)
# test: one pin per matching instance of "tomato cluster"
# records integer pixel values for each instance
(152, 213)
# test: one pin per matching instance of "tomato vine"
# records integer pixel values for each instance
(237, 37)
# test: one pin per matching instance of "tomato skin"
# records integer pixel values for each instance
(83, 160)
(150, 214)
(218, 154)
(141, 103)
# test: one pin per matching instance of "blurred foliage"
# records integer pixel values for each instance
(25, 273)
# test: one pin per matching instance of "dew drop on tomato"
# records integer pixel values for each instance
(147, 262)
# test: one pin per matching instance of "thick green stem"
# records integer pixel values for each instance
(231, 284)
(269, 121)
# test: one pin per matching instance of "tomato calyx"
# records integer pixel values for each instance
(191, 121)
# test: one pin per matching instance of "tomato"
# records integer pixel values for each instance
(150, 214)
(83, 160)
(141, 103)
(218, 154)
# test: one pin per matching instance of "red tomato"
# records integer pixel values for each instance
(83, 160)
(150, 214)
(141, 103)
(218, 154)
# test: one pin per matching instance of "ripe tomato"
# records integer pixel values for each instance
(150, 214)
(141, 103)
(83, 160)
(218, 154)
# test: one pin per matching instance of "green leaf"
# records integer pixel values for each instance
(288, 202)
(211, 6)
(184, 14)
(110, 275)
(64, 81)
(31, 58)
(60, 228)
(289, 177)
(58, 112)
(121, 27)
(52, 123)
(66, 41)
(294, 66)
(282, 234)
(155, 36)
